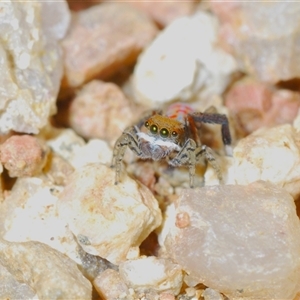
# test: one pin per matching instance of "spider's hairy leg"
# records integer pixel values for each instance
(209, 155)
(214, 118)
(186, 156)
(127, 139)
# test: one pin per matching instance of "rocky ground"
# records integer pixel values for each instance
(74, 76)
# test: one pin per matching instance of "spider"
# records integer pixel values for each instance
(174, 136)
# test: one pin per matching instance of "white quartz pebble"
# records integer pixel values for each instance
(243, 241)
(270, 154)
(152, 272)
(182, 60)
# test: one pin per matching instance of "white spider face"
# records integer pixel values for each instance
(160, 136)
(155, 147)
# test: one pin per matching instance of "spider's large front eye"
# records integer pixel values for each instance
(153, 129)
(164, 132)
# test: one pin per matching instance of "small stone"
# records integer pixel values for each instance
(58, 169)
(162, 275)
(111, 286)
(265, 50)
(91, 265)
(33, 202)
(211, 294)
(11, 288)
(269, 154)
(97, 47)
(66, 143)
(107, 219)
(257, 104)
(166, 296)
(94, 151)
(100, 110)
(43, 271)
(164, 13)
(243, 241)
(23, 155)
(31, 63)
(183, 61)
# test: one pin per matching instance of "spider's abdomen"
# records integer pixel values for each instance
(179, 111)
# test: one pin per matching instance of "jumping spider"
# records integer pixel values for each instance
(173, 136)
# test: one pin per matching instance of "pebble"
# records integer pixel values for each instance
(58, 169)
(183, 59)
(256, 104)
(242, 241)
(33, 202)
(97, 47)
(164, 13)
(38, 271)
(265, 50)
(100, 110)
(65, 143)
(29, 36)
(107, 219)
(269, 154)
(11, 288)
(23, 155)
(211, 294)
(111, 286)
(162, 274)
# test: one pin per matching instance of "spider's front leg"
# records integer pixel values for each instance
(190, 154)
(186, 155)
(127, 139)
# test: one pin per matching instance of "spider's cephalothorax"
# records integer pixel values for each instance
(173, 136)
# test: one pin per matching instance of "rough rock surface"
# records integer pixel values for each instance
(29, 213)
(161, 275)
(94, 151)
(164, 13)
(35, 268)
(97, 47)
(66, 143)
(30, 66)
(23, 155)
(243, 241)
(264, 36)
(257, 104)
(58, 169)
(73, 149)
(100, 110)
(11, 288)
(182, 60)
(107, 219)
(270, 154)
(111, 286)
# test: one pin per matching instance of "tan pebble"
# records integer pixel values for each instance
(97, 47)
(100, 110)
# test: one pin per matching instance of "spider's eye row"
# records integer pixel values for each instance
(164, 132)
(174, 133)
(153, 129)
(146, 124)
